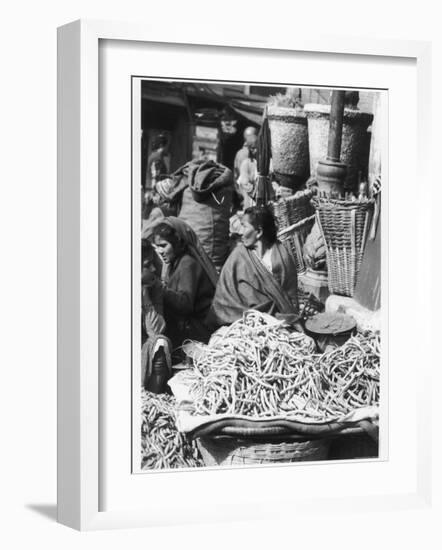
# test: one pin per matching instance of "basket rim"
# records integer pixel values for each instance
(322, 108)
(302, 195)
(328, 203)
(295, 226)
(278, 112)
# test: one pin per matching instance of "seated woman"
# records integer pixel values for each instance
(189, 281)
(259, 274)
(156, 365)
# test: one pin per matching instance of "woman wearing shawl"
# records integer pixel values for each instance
(259, 274)
(189, 281)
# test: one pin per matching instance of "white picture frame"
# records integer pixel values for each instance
(79, 363)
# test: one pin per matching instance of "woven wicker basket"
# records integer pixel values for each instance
(345, 226)
(295, 236)
(228, 451)
(355, 140)
(291, 210)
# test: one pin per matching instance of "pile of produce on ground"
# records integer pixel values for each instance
(162, 445)
(258, 368)
(350, 373)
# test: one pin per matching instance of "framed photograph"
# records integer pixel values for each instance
(231, 285)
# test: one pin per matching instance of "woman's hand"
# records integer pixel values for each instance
(290, 319)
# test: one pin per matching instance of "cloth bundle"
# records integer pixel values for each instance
(206, 205)
(205, 178)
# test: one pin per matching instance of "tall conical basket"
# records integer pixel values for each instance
(355, 140)
(289, 142)
(345, 226)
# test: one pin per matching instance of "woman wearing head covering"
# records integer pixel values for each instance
(189, 281)
(259, 274)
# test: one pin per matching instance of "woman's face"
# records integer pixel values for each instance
(164, 249)
(250, 235)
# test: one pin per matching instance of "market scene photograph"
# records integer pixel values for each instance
(260, 283)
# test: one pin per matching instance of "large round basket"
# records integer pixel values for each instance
(289, 141)
(345, 226)
(355, 140)
(230, 451)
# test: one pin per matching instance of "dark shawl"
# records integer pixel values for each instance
(245, 283)
(187, 300)
(190, 289)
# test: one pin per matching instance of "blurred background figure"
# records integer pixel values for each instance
(250, 140)
(156, 168)
(246, 181)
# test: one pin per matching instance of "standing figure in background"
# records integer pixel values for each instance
(156, 168)
(250, 140)
(245, 174)
(247, 179)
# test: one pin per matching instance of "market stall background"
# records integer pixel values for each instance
(178, 108)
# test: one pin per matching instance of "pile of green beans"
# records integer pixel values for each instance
(162, 445)
(351, 374)
(255, 369)
(258, 368)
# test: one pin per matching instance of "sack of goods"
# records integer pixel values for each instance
(207, 204)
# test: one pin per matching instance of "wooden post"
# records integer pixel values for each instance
(331, 171)
(336, 121)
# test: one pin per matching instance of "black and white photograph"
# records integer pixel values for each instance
(257, 237)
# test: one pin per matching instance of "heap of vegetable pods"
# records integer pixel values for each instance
(351, 374)
(261, 369)
(162, 446)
